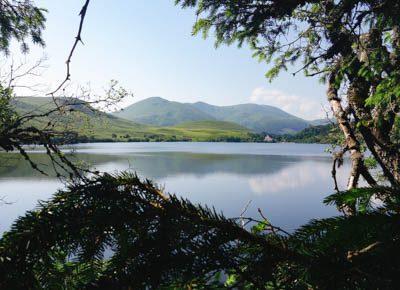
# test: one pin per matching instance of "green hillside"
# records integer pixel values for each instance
(87, 122)
(159, 112)
(257, 118)
(94, 125)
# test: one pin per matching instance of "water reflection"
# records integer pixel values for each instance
(297, 176)
(289, 189)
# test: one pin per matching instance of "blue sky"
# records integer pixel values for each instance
(148, 47)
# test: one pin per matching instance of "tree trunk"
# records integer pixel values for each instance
(374, 125)
(352, 145)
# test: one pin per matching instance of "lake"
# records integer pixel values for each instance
(287, 181)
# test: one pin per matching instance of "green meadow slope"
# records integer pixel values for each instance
(209, 131)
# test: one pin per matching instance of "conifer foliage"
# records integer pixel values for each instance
(22, 21)
(120, 232)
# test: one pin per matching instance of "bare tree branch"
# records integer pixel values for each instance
(78, 39)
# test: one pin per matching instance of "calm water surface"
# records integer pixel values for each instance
(287, 181)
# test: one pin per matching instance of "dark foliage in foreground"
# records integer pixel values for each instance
(117, 232)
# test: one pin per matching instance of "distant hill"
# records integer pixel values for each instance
(160, 112)
(93, 125)
(84, 120)
(44, 104)
(258, 118)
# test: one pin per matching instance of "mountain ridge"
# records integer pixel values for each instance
(91, 125)
(257, 118)
(169, 113)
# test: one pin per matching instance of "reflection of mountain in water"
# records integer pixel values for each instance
(289, 189)
(160, 165)
(163, 164)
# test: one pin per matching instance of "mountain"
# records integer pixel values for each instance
(160, 112)
(44, 104)
(93, 125)
(212, 123)
(258, 118)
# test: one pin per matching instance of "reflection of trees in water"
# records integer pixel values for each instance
(163, 164)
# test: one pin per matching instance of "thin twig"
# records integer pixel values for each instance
(243, 212)
(78, 39)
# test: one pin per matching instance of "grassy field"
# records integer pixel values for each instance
(106, 129)
(206, 131)
(121, 130)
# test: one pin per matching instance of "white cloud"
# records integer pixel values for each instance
(293, 104)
